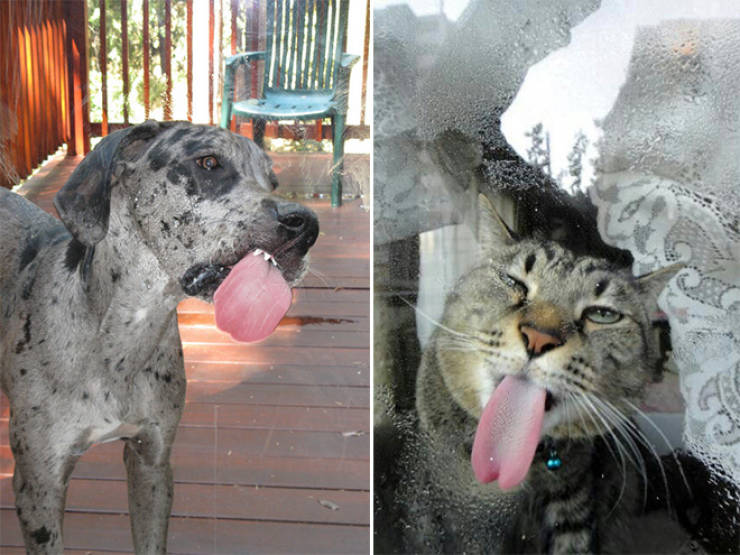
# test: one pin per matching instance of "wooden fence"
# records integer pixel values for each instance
(37, 91)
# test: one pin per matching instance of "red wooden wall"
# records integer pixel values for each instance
(33, 92)
(43, 83)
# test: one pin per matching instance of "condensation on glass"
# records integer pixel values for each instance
(603, 121)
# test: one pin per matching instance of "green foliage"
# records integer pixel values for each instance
(575, 161)
(297, 145)
(539, 153)
(157, 79)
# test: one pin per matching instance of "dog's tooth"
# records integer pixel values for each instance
(257, 252)
(267, 256)
(273, 262)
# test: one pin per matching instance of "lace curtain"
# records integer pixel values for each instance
(668, 172)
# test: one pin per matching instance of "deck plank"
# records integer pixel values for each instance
(282, 337)
(210, 442)
(268, 373)
(272, 453)
(104, 532)
(277, 418)
(281, 395)
(315, 356)
(189, 466)
(222, 501)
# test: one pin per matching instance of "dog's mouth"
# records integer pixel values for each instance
(203, 279)
(251, 296)
(251, 288)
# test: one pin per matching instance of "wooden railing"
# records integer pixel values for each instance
(243, 20)
(45, 92)
(34, 96)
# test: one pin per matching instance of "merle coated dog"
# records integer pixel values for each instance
(90, 347)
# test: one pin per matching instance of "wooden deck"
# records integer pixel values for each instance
(272, 454)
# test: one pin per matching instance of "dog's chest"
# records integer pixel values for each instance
(112, 431)
(120, 407)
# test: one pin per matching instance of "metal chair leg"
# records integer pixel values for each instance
(338, 165)
(258, 131)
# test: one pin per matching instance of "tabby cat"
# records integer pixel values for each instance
(524, 397)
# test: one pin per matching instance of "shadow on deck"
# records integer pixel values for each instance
(272, 454)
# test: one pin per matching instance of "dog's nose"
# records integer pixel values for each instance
(299, 222)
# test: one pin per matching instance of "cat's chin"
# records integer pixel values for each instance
(559, 421)
(556, 426)
(550, 401)
(553, 425)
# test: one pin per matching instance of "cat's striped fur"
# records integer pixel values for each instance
(594, 374)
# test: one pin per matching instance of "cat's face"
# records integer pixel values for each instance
(574, 326)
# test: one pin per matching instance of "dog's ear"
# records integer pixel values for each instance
(83, 203)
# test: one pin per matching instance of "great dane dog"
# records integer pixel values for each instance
(90, 349)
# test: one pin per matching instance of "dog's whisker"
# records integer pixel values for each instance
(318, 275)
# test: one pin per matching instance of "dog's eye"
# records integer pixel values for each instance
(209, 162)
(602, 315)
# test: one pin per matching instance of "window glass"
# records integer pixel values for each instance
(605, 137)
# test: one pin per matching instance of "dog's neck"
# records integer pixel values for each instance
(133, 294)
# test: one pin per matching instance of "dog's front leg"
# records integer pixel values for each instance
(40, 480)
(150, 489)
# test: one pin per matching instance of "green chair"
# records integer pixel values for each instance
(306, 74)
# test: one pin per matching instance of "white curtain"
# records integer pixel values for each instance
(669, 172)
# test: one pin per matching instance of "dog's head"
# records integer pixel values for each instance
(198, 196)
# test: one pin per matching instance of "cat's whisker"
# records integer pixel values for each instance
(456, 340)
(621, 424)
(581, 410)
(626, 433)
(461, 349)
(617, 444)
(501, 357)
(613, 423)
(568, 416)
(433, 321)
(655, 452)
(640, 436)
(496, 353)
(460, 344)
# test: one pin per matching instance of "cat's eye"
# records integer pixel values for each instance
(514, 283)
(209, 162)
(602, 315)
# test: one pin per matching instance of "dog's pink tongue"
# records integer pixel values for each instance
(252, 299)
(508, 433)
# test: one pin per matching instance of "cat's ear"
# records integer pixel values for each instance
(492, 230)
(652, 284)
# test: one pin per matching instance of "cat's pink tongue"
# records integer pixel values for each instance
(508, 432)
(252, 299)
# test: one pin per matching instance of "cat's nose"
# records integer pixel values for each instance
(538, 342)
